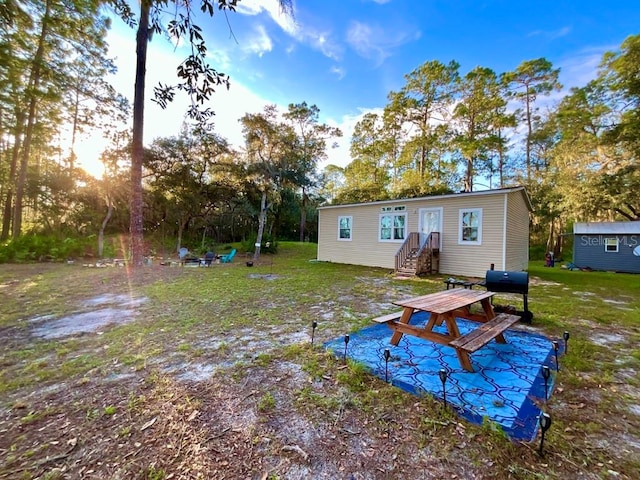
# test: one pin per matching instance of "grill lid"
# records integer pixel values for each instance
(508, 282)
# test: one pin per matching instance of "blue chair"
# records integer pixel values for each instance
(228, 257)
(209, 257)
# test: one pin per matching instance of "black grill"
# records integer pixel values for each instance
(510, 282)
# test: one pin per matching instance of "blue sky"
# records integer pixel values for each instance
(345, 56)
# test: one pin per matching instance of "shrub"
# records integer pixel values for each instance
(39, 248)
(268, 245)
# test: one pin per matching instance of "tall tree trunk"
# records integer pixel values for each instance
(529, 132)
(103, 225)
(262, 220)
(500, 161)
(8, 205)
(468, 178)
(137, 153)
(303, 215)
(181, 226)
(32, 95)
(552, 236)
(74, 131)
(423, 161)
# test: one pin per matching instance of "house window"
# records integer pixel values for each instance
(610, 244)
(470, 229)
(345, 225)
(393, 226)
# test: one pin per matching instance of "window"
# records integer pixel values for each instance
(345, 225)
(470, 232)
(399, 208)
(611, 244)
(393, 226)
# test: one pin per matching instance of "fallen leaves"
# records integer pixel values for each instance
(149, 424)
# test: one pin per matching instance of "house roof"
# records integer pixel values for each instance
(603, 228)
(496, 191)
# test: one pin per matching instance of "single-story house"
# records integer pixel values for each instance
(609, 246)
(453, 234)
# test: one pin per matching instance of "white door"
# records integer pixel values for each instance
(431, 221)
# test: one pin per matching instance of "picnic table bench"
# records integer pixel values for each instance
(444, 308)
(479, 337)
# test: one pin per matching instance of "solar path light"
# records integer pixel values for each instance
(546, 373)
(443, 378)
(566, 342)
(545, 423)
(555, 351)
(346, 342)
(314, 325)
(387, 354)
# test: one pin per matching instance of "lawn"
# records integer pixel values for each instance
(179, 372)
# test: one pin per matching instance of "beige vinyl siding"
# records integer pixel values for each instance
(364, 247)
(505, 233)
(517, 244)
(472, 260)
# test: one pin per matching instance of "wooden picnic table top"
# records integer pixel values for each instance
(445, 300)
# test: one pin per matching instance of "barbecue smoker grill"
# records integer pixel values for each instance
(510, 282)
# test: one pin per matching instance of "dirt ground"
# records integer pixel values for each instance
(249, 414)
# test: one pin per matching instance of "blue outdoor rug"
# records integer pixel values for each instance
(504, 387)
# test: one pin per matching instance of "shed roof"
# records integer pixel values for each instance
(497, 191)
(603, 228)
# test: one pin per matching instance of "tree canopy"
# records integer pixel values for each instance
(443, 131)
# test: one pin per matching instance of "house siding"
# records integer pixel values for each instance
(516, 245)
(466, 260)
(589, 251)
(364, 247)
(472, 260)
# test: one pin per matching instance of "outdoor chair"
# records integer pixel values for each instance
(228, 257)
(209, 257)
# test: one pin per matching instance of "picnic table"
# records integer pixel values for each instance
(445, 307)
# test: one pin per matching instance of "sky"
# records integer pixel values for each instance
(345, 56)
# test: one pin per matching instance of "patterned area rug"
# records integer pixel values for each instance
(507, 385)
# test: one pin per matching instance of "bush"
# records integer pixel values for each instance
(40, 248)
(268, 245)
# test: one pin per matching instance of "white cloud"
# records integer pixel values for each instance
(322, 41)
(341, 155)
(376, 43)
(272, 7)
(552, 34)
(582, 67)
(318, 38)
(338, 71)
(259, 43)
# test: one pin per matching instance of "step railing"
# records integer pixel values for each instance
(412, 242)
(423, 245)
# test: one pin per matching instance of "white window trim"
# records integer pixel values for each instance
(606, 244)
(461, 213)
(399, 213)
(350, 217)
